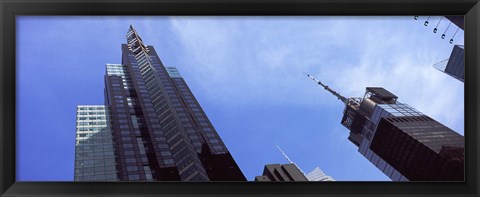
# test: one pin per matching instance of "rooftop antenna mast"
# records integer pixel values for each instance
(340, 97)
(288, 159)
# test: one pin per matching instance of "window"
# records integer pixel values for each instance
(168, 161)
(218, 147)
(132, 168)
(133, 177)
(165, 153)
(210, 135)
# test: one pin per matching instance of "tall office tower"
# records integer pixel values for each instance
(399, 140)
(281, 172)
(318, 175)
(94, 156)
(455, 65)
(160, 131)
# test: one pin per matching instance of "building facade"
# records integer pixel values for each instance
(94, 154)
(402, 142)
(160, 132)
(455, 65)
(318, 175)
(281, 172)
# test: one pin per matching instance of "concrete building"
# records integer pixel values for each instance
(281, 172)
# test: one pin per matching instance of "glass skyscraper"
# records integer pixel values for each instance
(160, 132)
(94, 156)
(402, 142)
(455, 65)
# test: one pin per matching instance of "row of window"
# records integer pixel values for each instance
(97, 169)
(103, 152)
(91, 123)
(91, 118)
(86, 144)
(109, 177)
(90, 113)
(90, 128)
(91, 108)
(100, 147)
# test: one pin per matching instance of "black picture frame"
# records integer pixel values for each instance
(9, 9)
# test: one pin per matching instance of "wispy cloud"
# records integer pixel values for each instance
(264, 63)
(402, 63)
(240, 68)
(261, 64)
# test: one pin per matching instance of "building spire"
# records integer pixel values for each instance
(340, 97)
(135, 42)
(288, 159)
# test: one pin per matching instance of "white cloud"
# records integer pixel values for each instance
(406, 70)
(256, 61)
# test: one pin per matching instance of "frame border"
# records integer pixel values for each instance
(9, 9)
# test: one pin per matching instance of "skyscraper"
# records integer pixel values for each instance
(401, 141)
(455, 65)
(94, 155)
(160, 132)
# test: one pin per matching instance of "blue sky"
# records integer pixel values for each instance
(246, 72)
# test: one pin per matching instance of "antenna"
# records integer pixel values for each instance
(340, 97)
(288, 159)
(285, 155)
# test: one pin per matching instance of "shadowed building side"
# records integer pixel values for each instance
(420, 148)
(400, 141)
(281, 172)
(161, 131)
(156, 127)
(455, 65)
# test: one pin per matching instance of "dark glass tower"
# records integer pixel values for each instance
(160, 131)
(402, 142)
(455, 65)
